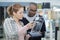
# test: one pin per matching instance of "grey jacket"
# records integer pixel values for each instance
(12, 32)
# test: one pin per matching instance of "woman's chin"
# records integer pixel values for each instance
(21, 18)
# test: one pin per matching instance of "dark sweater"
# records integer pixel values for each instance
(43, 29)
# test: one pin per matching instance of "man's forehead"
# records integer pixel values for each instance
(32, 6)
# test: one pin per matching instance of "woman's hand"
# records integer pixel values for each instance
(31, 25)
(27, 37)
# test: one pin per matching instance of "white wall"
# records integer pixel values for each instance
(58, 35)
(53, 2)
(24, 0)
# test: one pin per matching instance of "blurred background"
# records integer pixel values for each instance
(49, 9)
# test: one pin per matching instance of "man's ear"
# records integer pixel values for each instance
(28, 8)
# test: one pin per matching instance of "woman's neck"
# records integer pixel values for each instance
(16, 19)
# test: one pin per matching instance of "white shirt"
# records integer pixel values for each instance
(30, 18)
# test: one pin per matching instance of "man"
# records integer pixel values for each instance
(31, 16)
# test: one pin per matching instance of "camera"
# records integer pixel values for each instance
(39, 22)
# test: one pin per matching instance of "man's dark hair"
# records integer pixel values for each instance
(33, 3)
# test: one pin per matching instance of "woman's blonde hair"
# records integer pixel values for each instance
(13, 8)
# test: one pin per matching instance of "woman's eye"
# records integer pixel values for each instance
(21, 12)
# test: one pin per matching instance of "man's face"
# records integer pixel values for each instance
(32, 10)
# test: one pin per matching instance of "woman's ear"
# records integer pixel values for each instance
(14, 13)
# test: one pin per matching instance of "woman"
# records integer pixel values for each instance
(13, 27)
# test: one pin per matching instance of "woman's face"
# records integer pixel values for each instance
(19, 14)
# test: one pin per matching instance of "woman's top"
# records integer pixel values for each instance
(13, 31)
